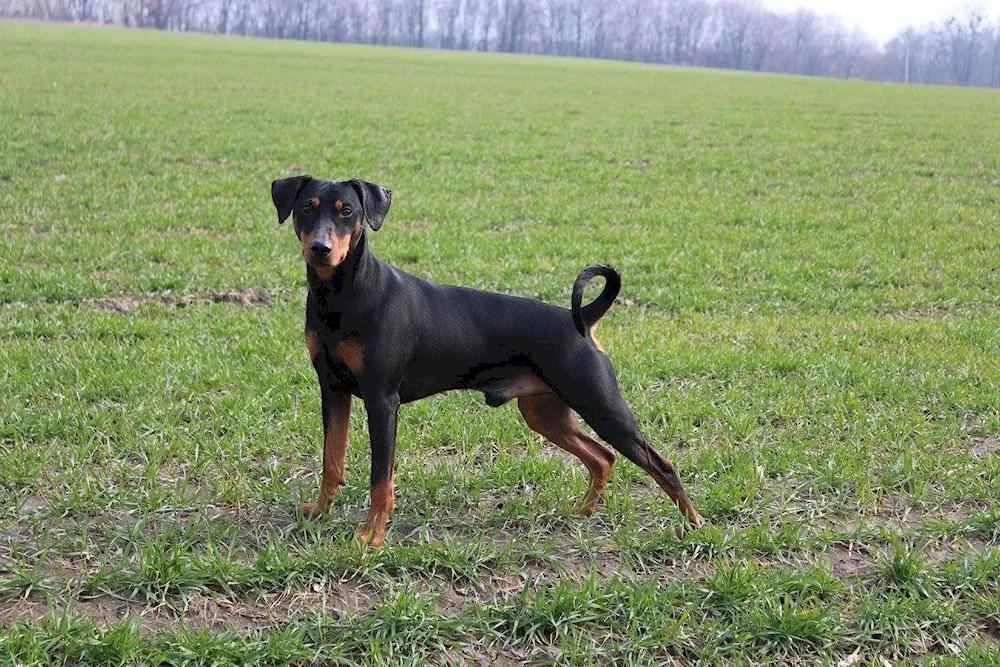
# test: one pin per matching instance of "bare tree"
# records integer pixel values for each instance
(848, 49)
(733, 22)
(960, 38)
(686, 20)
(806, 29)
(489, 9)
(416, 22)
(994, 62)
(467, 24)
(555, 39)
(447, 13)
(512, 24)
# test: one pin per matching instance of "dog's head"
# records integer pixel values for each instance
(329, 215)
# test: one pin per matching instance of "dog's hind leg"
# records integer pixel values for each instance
(589, 386)
(549, 416)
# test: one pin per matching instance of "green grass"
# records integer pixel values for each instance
(808, 328)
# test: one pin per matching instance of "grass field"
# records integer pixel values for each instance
(808, 327)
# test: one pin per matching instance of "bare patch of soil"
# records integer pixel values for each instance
(121, 304)
(130, 303)
(991, 626)
(919, 314)
(898, 515)
(252, 296)
(983, 446)
(847, 561)
(195, 613)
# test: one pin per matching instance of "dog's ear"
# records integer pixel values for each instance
(284, 192)
(375, 201)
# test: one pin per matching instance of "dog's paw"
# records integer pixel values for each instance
(313, 510)
(371, 537)
(694, 522)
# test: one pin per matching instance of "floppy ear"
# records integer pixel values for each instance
(375, 201)
(284, 191)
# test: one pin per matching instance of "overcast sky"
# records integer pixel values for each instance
(882, 19)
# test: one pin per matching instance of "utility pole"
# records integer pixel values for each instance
(906, 65)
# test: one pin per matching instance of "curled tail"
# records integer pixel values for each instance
(586, 317)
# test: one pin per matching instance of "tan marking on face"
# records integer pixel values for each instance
(325, 272)
(341, 246)
(338, 206)
(307, 240)
(314, 202)
(353, 356)
(312, 344)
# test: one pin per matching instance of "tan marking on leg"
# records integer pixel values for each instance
(334, 452)
(312, 344)
(353, 356)
(663, 472)
(594, 338)
(549, 416)
(383, 499)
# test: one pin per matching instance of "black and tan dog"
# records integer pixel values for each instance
(389, 338)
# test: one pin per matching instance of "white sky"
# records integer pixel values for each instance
(882, 19)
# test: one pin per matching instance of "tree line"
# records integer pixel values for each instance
(962, 49)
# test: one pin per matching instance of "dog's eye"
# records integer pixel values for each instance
(346, 212)
(307, 209)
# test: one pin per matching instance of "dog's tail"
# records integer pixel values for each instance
(586, 317)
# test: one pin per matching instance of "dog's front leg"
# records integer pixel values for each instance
(336, 421)
(382, 415)
(336, 407)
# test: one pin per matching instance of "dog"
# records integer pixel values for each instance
(389, 338)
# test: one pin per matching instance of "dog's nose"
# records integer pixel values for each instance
(320, 249)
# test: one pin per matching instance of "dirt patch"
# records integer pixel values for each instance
(194, 613)
(896, 514)
(983, 446)
(445, 458)
(130, 303)
(339, 596)
(33, 504)
(991, 626)
(919, 314)
(252, 296)
(849, 561)
(942, 551)
(122, 304)
(642, 164)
